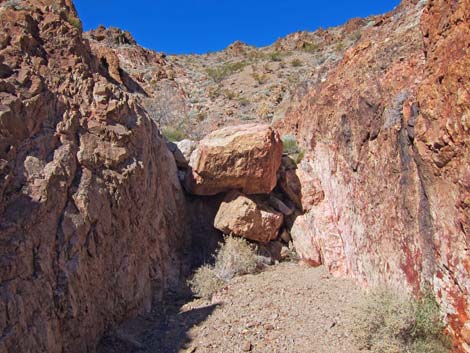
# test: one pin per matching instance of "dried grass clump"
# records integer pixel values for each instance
(389, 322)
(235, 257)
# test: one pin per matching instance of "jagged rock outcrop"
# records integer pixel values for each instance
(92, 216)
(250, 218)
(244, 157)
(387, 136)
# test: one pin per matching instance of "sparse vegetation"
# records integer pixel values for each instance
(310, 47)
(260, 78)
(235, 257)
(391, 322)
(229, 94)
(276, 56)
(244, 102)
(356, 36)
(173, 133)
(74, 21)
(340, 46)
(221, 72)
(292, 149)
(296, 63)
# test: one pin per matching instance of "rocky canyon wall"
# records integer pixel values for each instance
(387, 135)
(92, 216)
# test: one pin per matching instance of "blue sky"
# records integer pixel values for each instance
(199, 26)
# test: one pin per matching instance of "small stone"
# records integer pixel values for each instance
(247, 346)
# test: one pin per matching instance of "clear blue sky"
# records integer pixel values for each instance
(199, 26)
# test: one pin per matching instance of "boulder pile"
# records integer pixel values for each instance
(262, 191)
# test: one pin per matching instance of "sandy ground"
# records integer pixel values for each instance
(287, 308)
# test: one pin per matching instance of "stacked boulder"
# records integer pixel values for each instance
(244, 163)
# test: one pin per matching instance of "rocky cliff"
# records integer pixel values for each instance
(387, 135)
(92, 216)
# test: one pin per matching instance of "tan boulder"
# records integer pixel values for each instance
(248, 218)
(244, 157)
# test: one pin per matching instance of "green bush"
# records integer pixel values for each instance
(389, 322)
(290, 144)
(221, 72)
(74, 21)
(310, 47)
(173, 133)
(260, 78)
(292, 149)
(234, 257)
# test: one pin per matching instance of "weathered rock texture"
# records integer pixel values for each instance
(247, 217)
(91, 213)
(388, 138)
(244, 157)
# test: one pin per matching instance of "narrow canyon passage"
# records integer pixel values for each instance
(286, 308)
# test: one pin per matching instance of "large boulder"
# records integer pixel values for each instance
(244, 157)
(248, 217)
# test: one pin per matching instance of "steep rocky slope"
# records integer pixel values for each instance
(191, 95)
(92, 216)
(387, 135)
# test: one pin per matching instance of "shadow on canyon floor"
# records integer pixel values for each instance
(164, 330)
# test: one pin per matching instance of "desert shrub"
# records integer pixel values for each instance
(205, 282)
(229, 94)
(310, 47)
(296, 63)
(292, 149)
(234, 257)
(11, 4)
(389, 322)
(222, 71)
(173, 133)
(340, 46)
(275, 56)
(290, 144)
(244, 102)
(74, 21)
(260, 78)
(356, 36)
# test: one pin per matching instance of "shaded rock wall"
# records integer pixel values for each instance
(387, 135)
(92, 216)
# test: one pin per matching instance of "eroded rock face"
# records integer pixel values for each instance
(92, 223)
(244, 157)
(248, 217)
(300, 184)
(387, 135)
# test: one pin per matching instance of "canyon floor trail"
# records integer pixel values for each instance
(287, 308)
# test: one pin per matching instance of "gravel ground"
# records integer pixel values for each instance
(287, 308)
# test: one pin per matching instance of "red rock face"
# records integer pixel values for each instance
(388, 135)
(91, 213)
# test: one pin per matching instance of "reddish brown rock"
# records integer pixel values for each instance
(387, 135)
(248, 217)
(92, 217)
(244, 157)
(300, 185)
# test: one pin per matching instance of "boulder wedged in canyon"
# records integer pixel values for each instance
(245, 157)
(248, 217)
(92, 216)
(387, 136)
